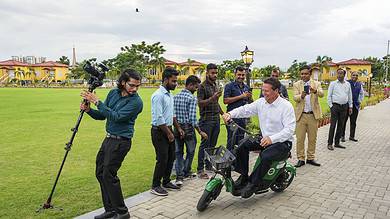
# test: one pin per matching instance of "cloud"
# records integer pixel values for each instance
(208, 31)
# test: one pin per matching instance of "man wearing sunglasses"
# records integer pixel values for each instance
(121, 109)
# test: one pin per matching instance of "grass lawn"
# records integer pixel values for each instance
(35, 127)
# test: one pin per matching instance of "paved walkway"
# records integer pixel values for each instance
(351, 183)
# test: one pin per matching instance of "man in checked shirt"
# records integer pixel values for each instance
(185, 108)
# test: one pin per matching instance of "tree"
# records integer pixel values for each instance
(322, 62)
(294, 68)
(378, 67)
(266, 71)
(228, 65)
(64, 60)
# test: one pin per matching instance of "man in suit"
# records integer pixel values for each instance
(307, 112)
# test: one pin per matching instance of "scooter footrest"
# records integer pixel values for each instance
(261, 191)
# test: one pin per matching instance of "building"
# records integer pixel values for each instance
(189, 67)
(49, 71)
(329, 71)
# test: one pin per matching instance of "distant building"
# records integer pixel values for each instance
(329, 71)
(185, 69)
(30, 69)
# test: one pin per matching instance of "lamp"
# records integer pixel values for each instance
(247, 58)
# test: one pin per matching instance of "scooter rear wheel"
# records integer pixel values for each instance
(205, 200)
(282, 182)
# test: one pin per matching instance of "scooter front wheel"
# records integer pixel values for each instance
(205, 200)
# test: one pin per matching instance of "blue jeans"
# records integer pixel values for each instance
(211, 128)
(183, 166)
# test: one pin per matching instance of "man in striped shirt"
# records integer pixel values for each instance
(185, 108)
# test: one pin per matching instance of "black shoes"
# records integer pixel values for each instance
(248, 190)
(339, 146)
(300, 163)
(122, 216)
(107, 214)
(330, 147)
(241, 182)
(159, 191)
(353, 139)
(313, 162)
(171, 186)
(342, 139)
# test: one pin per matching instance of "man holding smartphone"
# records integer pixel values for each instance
(237, 94)
(209, 108)
(307, 113)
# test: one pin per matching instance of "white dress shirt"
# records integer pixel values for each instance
(307, 107)
(277, 120)
(339, 92)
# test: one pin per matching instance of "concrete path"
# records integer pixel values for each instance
(351, 183)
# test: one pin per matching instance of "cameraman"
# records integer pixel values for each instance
(121, 109)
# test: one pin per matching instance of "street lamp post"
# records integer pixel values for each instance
(387, 61)
(247, 58)
(369, 89)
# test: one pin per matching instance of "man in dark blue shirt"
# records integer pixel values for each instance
(237, 94)
(121, 109)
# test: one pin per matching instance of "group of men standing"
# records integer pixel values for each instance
(174, 123)
(344, 98)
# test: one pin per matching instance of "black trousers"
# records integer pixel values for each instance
(165, 156)
(212, 129)
(338, 115)
(108, 161)
(352, 122)
(274, 152)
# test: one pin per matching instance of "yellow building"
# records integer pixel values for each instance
(46, 71)
(185, 69)
(329, 72)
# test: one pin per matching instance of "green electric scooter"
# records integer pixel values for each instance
(278, 177)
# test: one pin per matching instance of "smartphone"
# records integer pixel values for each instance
(306, 88)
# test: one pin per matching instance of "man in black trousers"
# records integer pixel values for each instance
(121, 109)
(357, 98)
(163, 138)
(340, 103)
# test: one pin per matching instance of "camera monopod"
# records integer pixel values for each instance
(95, 80)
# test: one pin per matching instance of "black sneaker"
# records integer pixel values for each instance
(171, 186)
(159, 191)
(241, 182)
(189, 175)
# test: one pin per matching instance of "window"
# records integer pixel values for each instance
(332, 73)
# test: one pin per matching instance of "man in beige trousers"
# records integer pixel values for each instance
(307, 113)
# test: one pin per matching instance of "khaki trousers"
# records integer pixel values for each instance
(306, 124)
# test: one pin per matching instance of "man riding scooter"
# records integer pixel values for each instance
(277, 124)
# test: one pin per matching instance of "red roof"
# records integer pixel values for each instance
(193, 63)
(50, 64)
(330, 63)
(12, 63)
(170, 62)
(354, 62)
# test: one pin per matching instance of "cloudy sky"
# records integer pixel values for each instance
(206, 30)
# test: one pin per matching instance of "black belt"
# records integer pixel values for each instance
(337, 104)
(311, 112)
(116, 137)
(158, 128)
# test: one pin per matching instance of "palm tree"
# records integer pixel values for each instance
(19, 74)
(200, 69)
(322, 61)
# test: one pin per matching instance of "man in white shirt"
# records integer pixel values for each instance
(277, 124)
(340, 103)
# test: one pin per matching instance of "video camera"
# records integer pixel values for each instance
(97, 74)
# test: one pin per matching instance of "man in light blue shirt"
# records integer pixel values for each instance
(340, 103)
(162, 133)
